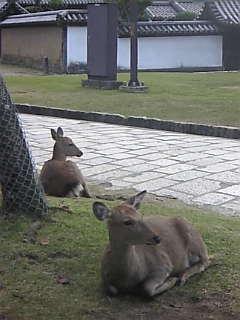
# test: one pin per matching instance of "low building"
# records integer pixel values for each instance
(226, 15)
(57, 40)
(45, 40)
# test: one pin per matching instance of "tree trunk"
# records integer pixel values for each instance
(133, 15)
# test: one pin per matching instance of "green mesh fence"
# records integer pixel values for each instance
(21, 190)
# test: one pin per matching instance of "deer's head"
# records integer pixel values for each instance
(125, 224)
(64, 146)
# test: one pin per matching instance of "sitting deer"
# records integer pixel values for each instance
(61, 177)
(148, 255)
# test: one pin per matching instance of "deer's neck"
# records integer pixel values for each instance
(58, 154)
(122, 253)
(126, 263)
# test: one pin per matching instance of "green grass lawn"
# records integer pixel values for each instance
(71, 245)
(210, 98)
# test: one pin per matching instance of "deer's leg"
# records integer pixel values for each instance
(111, 291)
(156, 286)
(77, 190)
(195, 269)
(70, 194)
(159, 281)
(85, 191)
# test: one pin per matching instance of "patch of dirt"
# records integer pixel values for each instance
(99, 190)
(12, 70)
(3, 317)
(105, 191)
(211, 307)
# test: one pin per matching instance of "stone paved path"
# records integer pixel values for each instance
(198, 170)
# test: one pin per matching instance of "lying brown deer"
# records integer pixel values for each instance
(148, 255)
(61, 177)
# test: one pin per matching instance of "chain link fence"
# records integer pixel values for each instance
(21, 190)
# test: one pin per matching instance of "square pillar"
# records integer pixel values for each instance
(102, 46)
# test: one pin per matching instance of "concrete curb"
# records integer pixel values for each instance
(143, 122)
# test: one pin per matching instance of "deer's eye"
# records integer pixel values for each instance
(128, 222)
(71, 144)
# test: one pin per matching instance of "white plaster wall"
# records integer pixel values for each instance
(76, 45)
(173, 52)
(154, 52)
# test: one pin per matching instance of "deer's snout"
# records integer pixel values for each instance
(156, 239)
(80, 153)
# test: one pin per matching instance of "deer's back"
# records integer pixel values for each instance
(180, 242)
(60, 177)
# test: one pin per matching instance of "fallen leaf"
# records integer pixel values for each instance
(44, 241)
(62, 279)
(173, 305)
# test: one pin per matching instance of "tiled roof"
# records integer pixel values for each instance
(158, 10)
(73, 16)
(145, 29)
(161, 11)
(3, 7)
(10, 8)
(65, 3)
(225, 12)
(165, 28)
(165, 10)
(193, 6)
(47, 17)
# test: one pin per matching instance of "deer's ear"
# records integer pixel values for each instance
(136, 200)
(54, 134)
(100, 211)
(60, 132)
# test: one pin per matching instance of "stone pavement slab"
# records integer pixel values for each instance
(199, 170)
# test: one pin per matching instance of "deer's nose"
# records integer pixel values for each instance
(156, 239)
(80, 154)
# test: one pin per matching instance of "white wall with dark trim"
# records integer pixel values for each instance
(175, 52)
(76, 45)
